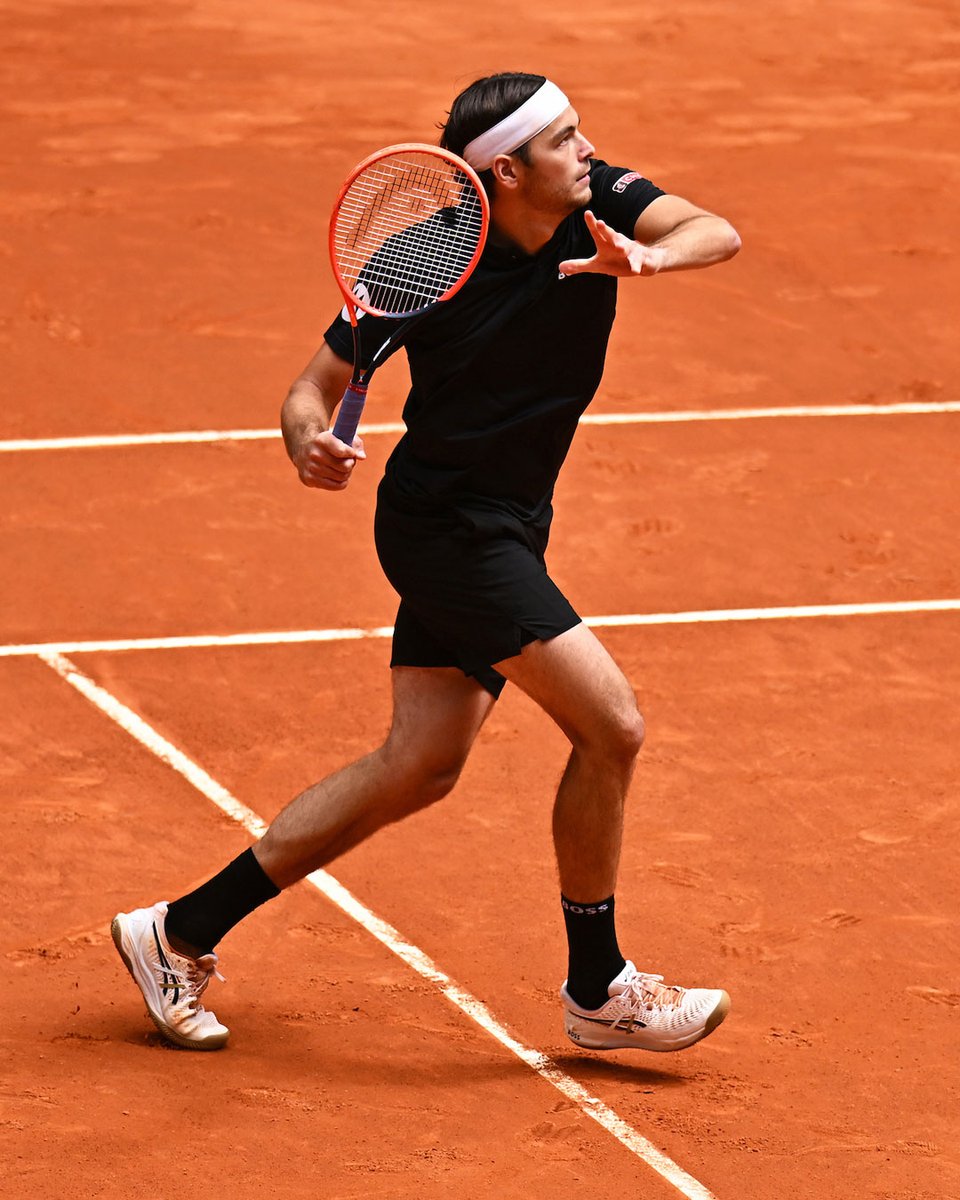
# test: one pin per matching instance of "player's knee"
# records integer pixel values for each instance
(423, 777)
(614, 736)
(628, 734)
(620, 734)
(439, 780)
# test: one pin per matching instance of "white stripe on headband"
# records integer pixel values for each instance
(531, 118)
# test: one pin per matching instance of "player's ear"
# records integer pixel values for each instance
(504, 171)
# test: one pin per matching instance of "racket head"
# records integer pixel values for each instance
(407, 229)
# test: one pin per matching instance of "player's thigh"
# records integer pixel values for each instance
(575, 681)
(437, 714)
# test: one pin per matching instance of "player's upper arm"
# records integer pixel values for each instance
(327, 371)
(663, 215)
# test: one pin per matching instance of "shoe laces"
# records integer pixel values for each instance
(192, 980)
(649, 992)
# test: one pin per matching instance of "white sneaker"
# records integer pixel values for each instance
(172, 983)
(644, 1014)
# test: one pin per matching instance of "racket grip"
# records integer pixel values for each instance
(348, 416)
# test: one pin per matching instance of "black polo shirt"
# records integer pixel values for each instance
(502, 372)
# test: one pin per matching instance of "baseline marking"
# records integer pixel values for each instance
(187, 437)
(412, 955)
(200, 641)
(300, 636)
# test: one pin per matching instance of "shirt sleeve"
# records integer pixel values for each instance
(620, 195)
(373, 331)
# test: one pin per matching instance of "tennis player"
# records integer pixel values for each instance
(500, 376)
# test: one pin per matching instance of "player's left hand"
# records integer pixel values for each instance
(616, 254)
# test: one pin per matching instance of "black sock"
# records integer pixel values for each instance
(595, 959)
(203, 917)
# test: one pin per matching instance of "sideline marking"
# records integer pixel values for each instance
(412, 955)
(300, 636)
(181, 437)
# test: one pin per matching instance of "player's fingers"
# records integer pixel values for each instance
(576, 266)
(325, 480)
(330, 444)
(605, 233)
(600, 230)
(322, 459)
(593, 227)
(325, 485)
(320, 468)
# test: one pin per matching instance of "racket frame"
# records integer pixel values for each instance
(351, 405)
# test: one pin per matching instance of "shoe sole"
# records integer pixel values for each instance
(171, 1035)
(632, 1042)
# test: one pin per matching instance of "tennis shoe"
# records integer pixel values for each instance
(644, 1013)
(171, 983)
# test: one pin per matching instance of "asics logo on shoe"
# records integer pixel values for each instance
(623, 1025)
(170, 980)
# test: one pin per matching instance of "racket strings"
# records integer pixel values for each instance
(411, 187)
(397, 250)
(423, 268)
(407, 230)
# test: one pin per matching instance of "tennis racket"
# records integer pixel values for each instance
(407, 229)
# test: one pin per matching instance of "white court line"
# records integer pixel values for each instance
(907, 409)
(300, 636)
(200, 641)
(412, 955)
(182, 437)
(172, 438)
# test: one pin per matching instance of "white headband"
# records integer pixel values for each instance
(531, 118)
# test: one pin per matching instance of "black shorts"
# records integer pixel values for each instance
(472, 593)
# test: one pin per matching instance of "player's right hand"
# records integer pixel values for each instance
(325, 462)
(616, 254)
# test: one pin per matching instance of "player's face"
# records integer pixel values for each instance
(557, 178)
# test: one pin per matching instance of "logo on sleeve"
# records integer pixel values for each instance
(360, 291)
(625, 180)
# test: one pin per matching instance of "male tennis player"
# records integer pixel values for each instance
(500, 375)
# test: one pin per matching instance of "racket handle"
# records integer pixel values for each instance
(348, 417)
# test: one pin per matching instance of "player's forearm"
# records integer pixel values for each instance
(306, 412)
(699, 241)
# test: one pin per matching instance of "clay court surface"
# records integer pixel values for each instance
(167, 173)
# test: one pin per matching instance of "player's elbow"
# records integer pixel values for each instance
(732, 241)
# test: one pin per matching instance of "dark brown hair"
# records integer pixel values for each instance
(481, 105)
